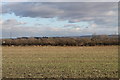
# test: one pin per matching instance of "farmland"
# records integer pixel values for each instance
(57, 62)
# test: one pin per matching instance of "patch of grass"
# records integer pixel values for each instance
(57, 62)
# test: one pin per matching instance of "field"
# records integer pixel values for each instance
(57, 62)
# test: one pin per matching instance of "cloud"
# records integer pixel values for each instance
(100, 16)
(16, 30)
(99, 12)
(72, 26)
(9, 26)
(60, 0)
(1, 22)
(11, 23)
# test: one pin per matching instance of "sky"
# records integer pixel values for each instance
(60, 0)
(52, 19)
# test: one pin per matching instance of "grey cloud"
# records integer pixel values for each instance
(61, 0)
(75, 10)
(32, 10)
(72, 26)
(31, 31)
(99, 12)
(52, 31)
(12, 22)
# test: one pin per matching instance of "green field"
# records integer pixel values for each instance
(57, 62)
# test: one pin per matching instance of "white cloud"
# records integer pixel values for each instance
(31, 31)
(73, 12)
(1, 21)
(11, 23)
(103, 15)
(111, 13)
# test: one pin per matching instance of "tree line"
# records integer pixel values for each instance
(62, 41)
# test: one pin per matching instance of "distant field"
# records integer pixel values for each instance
(67, 62)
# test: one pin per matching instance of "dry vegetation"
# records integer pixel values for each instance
(63, 41)
(57, 62)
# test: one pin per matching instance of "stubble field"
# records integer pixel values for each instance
(60, 62)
